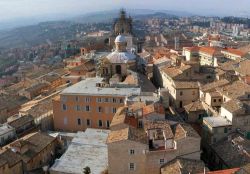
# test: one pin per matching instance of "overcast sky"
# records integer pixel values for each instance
(11, 9)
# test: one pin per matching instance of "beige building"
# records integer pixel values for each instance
(195, 112)
(36, 150)
(207, 56)
(215, 129)
(238, 113)
(34, 91)
(41, 109)
(10, 163)
(178, 81)
(146, 150)
(90, 103)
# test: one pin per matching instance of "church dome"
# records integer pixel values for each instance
(120, 39)
(121, 57)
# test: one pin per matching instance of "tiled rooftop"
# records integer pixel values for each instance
(184, 166)
(243, 67)
(211, 86)
(235, 90)
(234, 52)
(163, 125)
(129, 133)
(207, 50)
(234, 153)
(36, 143)
(194, 106)
(175, 71)
(21, 121)
(9, 157)
(185, 84)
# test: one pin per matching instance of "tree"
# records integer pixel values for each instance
(86, 170)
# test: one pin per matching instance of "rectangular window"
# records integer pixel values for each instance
(140, 124)
(161, 161)
(78, 108)
(132, 152)
(87, 99)
(87, 108)
(77, 98)
(65, 121)
(200, 116)
(64, 107)
(99, 109)
(132, 166)
(114, 100)
(100, 123)
(219, 100)
(107, 123)
(225, 130)
(121, 100)
(88, 122)
(214, 100)
(79, 122)
(99, 100)
(114, 110)
(181, 93)
(106, 100)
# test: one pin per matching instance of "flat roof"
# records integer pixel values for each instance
(217, 121)
(88, 87)
(86, 149)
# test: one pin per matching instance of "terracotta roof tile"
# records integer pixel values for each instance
(243, 68)
(129, 133)
(234, 51)
(194, 106)
(185, 84)
(184, 166)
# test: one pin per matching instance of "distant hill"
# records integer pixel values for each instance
(108, 16)
(37, 33)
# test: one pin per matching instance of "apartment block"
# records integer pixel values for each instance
(90, 103)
